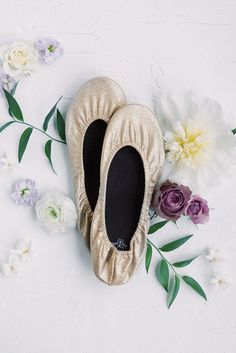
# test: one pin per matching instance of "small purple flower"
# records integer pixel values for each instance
(24, 192)
(49, 49)
(6, 82)
(198, 210)
(170, 200)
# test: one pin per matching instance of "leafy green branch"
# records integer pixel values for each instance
(18, 118)
(171, 285)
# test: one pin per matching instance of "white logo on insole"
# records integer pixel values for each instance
(120, 244)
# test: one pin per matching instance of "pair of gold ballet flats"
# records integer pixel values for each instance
(116, 152)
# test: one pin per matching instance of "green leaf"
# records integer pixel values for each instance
(6, 125)
(14, 107)
(195, 285)
(24, 139)
(48, 153)
(157, 226)
(184, 262)
(175, 244)
(163, 274)
(13, 91)
(174, 291)
(49, 116)
(61, 126)
(148, 256)
(234, 131)
(9, 112)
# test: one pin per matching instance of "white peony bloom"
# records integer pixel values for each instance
(20, 58)
(199, 144)
(213, 254)
(56, 212)
(11, 267)
(23, 250)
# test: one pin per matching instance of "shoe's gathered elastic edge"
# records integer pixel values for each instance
(133, 125)
(99, 98)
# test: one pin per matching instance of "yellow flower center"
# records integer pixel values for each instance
(187, 144)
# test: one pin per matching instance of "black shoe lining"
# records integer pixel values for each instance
(92, 150)
(124, 196)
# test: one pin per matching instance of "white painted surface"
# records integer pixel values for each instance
(57, 305)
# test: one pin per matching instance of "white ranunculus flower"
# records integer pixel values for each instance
(56, 212)
(20, 58)
(199, 144)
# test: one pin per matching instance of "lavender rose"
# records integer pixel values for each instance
(198, 210)
(171, 200)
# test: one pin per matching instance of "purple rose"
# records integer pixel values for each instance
(49, 49)
(171, 200)
(198, 210)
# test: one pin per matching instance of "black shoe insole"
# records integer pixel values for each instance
(92, 149)
(124, 196)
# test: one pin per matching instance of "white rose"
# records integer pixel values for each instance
(19, 58)
(56, 212)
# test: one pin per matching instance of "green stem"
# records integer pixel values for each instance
(36, 128)
(160, 253)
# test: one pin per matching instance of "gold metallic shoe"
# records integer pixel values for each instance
(132, 158)
(86, 123)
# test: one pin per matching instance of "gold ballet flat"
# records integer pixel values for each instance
(86, 122)
(131, 162)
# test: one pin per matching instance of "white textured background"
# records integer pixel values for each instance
(57, 305)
